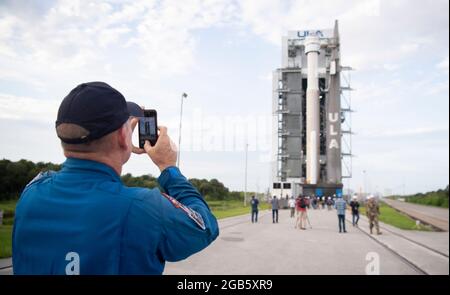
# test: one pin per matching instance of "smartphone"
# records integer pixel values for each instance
(148, 128)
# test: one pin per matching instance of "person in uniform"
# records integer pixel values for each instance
(84, 220)
(373, 211)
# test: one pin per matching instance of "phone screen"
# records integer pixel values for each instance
(148, 129)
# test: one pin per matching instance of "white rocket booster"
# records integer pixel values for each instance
(312, 48)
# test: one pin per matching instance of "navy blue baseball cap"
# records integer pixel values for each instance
(98, 108)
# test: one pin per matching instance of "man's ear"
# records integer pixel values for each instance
(122, 137)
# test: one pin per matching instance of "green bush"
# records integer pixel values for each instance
(437, 198)
(5, 241)
(147, 181)
(8, 221)
(8, 214)
(14, 176)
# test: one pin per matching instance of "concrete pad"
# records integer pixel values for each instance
(4, 266)
(267, 248)
(4, 262)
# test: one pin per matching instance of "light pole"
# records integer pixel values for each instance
(365, 182)
(245, 182)
(257, 187)
(184, 95)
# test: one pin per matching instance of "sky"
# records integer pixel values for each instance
(222, 54)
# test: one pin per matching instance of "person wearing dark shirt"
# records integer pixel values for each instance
(354, 204)
(254, 203)
(301, 205)
(275, 207)
(83, 220)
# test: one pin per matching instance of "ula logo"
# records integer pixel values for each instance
(304, 34)
(333, 118)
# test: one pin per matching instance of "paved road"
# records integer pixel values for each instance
(4, 263)
(437, 217)
(266, 248)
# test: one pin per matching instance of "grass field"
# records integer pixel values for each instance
(391, 216)
(223, 209)
(9, 205)
(5, 241)
(8, 208)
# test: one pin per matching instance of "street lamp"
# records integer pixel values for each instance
(365, 182)
(245, 184)
(184, 95)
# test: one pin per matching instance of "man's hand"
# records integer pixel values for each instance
(135, 149)
(164, 152)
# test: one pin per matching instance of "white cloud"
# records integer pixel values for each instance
(145, 48)
(370, 29)
(266, 77)
(437, 88)
(7, 24)
(165, 33)
(27, 108)
(82, 36)
(111, 36)
(443, 65)
(420, 131)
(391, 67)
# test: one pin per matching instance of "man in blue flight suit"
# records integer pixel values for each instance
(83, 220)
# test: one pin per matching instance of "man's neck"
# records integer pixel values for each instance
(105, 159)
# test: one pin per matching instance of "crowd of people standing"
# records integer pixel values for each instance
(299, 206)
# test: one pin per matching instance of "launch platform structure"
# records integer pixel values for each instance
(312, 136)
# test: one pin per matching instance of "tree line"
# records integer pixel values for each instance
(14, 176)
(437, 198)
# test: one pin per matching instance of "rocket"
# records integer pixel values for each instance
(312, 48)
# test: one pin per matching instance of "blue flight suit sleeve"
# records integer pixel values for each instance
(182, 235)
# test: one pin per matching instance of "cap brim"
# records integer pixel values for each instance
(134, 109)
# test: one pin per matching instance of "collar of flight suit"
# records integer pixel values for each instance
(88, 166)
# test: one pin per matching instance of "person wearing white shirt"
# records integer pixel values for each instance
(291, 204)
